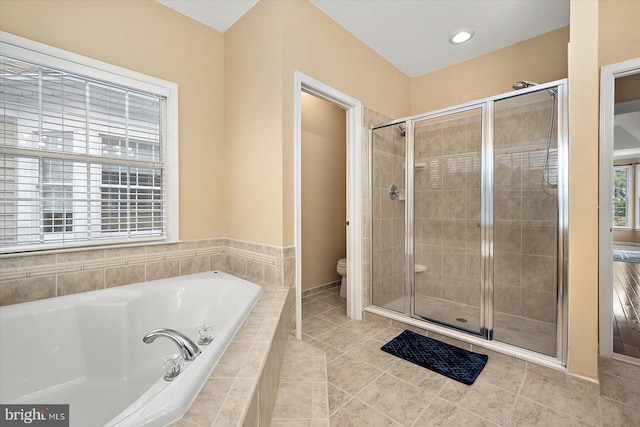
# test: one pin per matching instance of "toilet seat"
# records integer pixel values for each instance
(342, 263)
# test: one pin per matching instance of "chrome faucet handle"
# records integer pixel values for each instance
(205, 335)
(173, 365)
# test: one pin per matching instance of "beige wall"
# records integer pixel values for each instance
(276, 39)
(618, 38)
(150, 38)
(319, 47)
(627, 236)
(253, 127)
(540, 59)
(324, 190)
(628, 88)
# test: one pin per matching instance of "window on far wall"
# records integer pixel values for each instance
(84, 161)
(622, 188)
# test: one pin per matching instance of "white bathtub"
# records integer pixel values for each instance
(86, 349)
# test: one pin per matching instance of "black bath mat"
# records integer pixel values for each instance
(453, 362)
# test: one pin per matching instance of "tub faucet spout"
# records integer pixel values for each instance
(188, 349)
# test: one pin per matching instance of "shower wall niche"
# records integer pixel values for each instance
(475, 239)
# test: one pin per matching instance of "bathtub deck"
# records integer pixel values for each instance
(242, 388)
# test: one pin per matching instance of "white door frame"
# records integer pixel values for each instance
(608, 75)
(304, 83)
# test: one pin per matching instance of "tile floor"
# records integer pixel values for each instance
(626, 305)
(367, 387)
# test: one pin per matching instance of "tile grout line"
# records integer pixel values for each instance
(457, 405)
(424, 410)
(571, 417)
(343, 404)
(365, 403)
(439, 395)
(428, 405)
(515, 401)
(600, 411)
(375, 410)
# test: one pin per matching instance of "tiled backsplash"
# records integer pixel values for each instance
(32, 277)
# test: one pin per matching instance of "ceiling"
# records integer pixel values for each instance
(626, 132)
(218, 14)
(414, 34)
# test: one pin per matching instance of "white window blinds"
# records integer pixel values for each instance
(82, 161)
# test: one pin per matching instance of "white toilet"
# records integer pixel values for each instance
(341, 269)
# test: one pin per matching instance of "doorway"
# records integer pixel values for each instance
(324, 229)
(620, 219)
(353, 107)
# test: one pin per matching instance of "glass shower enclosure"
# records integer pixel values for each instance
(469, 218)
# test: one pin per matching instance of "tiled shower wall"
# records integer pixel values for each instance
(447, 209)
(33, 277)
(526, 213)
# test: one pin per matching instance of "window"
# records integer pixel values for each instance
(57, 196)
(88, 153)
(622, 187)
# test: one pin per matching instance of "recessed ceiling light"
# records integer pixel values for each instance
(461, 36)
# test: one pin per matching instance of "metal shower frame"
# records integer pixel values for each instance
(486, 105)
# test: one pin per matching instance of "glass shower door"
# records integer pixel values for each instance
(388, 218)
(526, 221)
(447, 189)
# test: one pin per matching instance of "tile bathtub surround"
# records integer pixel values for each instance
(241, 389)
(369, 387)
(31, 277)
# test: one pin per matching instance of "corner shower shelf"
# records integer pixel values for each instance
(420, 165)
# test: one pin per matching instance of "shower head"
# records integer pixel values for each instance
(523, 84)
(403, 129)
